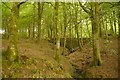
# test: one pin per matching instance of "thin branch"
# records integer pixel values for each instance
(87, 11)
(22, 3)
(51, 4)
(6, 5)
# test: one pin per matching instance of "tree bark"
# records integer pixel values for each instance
(65, 25)
(40, 11)
(33, 21)
(105, 27)
(111, 25)
(57, 55)
(94, 15)
(13, 37)
(95, 33)
(70, 29)
(119, 18)
(88, 28)
(100, 29)
(115, 22)
(76, 29)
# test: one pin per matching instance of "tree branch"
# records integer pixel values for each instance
(87, 11)
(22, 3)
(6, 5)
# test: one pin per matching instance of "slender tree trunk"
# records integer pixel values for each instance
(100, 29)
(31, 30)
(40, 11)
(111, 25)
(70, 30)
(33, 22)
(100, 24)
(65, 25)
(95, 33)
(76, 29)
(115, 22)
(88, 28)
(6, 29)
(81, 31)
(51, 32)
(48, 28)
(57, 57)
(13, 38)
(119, 18)
(105, 27)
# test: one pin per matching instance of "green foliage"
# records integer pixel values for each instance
(26, 9)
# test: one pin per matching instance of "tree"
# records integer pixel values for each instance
(119, 17)
(40, 11)
(76, 27)
(65, 25)
(94, 15)
(95, 33)
(13, 37)
(114, 21)
(33, 21)
(57, 33)
(13, 33)
(105, 26)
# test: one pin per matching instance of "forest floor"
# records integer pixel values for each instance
(37, 61)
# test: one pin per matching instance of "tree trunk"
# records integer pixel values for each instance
(111, 25)
(119, 18)
(40, 11)
(31, 30)
(65, 25)
(81, 31)
(105, 27)
(70, 29)
(88, 28)
(33, 21)
(13, 38)
(76, 29)
(100, 29)
(114, 22)
(48, 28)
(57, 33)
(51, 32)
(95, 33)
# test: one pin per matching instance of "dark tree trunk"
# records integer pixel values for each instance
(33, 21)
(115, 22)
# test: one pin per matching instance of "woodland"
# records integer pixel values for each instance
(60, 39)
